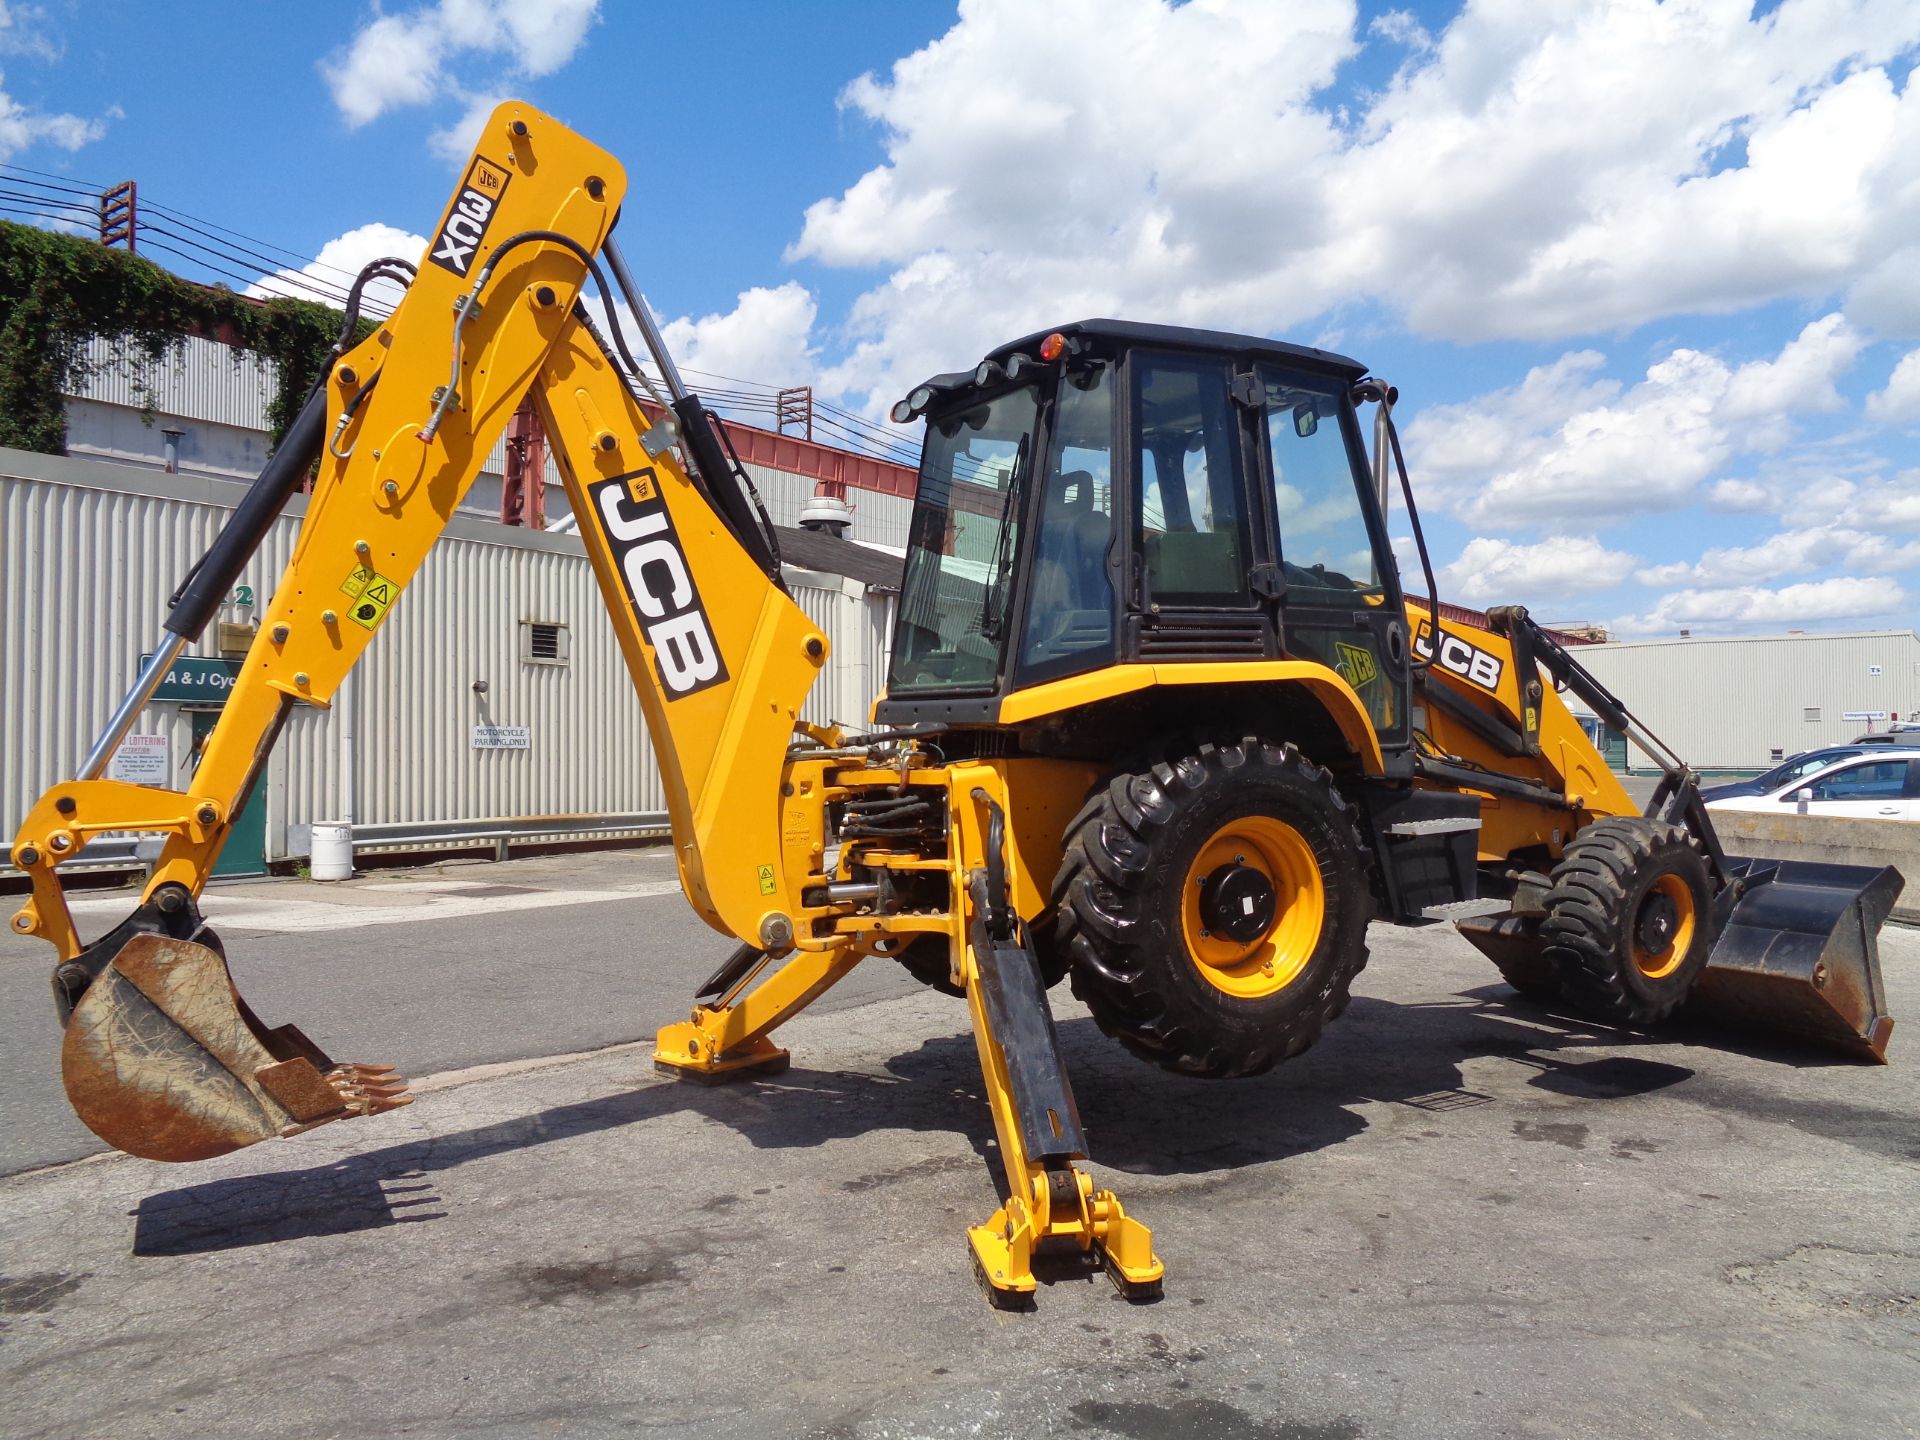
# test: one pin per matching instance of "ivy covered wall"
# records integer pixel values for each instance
(58, 292)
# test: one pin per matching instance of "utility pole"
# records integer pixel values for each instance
(794, 406)
(119, 215)
(523, 489)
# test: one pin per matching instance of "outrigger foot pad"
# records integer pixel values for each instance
(678, 1054)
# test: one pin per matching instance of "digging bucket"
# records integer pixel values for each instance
(164, 1060)
(1800, 953)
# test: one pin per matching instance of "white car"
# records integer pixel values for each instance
(1865, 787)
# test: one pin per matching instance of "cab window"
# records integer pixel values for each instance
(1324, 542)
(1069, 624)
(1192, 514)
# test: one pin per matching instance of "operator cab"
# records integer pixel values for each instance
(1113, 494)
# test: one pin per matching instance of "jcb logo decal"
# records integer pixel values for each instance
(1355, 665)
(1470, 663)
(653, 569)
(466, 223)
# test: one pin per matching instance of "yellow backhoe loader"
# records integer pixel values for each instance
(1159, 717)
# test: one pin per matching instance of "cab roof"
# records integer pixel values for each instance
(1222, 342)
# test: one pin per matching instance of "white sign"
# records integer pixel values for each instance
(1863, 715)
(143, 760)
(502, 737)
(1873, 670)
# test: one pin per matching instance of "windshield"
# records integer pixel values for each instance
(962, 544)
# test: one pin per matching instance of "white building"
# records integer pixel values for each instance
(1743, 702)
(92, 543)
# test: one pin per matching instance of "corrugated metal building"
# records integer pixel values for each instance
(92, 543)
(1742, 702)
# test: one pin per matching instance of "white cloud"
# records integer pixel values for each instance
(764, 338)
(1900, 401)
(1541, 170)
(454, 143)
(340, 260)
(22, 32)
(403, 59)
(1494, 571)
(1753, 607)
(1562, 443)
(1790, 552)
(21, 128)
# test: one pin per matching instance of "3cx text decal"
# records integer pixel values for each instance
(466, 223)
(653, 568)
(1467, 661)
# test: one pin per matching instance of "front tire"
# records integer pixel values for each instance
(1214, 909)
(1628, 923)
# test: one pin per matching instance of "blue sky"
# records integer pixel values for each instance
(1648, 276)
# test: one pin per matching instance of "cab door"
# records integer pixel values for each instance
(1338, 590)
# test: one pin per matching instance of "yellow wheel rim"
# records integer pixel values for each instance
(1656, 964)
(1273, 960)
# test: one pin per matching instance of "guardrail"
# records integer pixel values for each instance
(135, 852)
(1836, 841)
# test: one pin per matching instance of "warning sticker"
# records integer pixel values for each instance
(641, 485)
(766, 880)
(373, 595)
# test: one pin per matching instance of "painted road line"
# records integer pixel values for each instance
(277, 916)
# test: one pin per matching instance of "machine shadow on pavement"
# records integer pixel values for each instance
(1139, 1120)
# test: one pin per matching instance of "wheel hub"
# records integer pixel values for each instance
(1238, 902)
(1659, 918)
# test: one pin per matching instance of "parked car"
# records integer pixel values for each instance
(1877, 786)
(1807, 762)
(1898, 735)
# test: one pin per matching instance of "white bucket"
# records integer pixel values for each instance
(332, 857)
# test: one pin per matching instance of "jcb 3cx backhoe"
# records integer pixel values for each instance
(1159, 717)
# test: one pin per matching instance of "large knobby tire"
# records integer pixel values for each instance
(1628, 924)
(1162, 859)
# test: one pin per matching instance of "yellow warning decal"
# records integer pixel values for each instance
(372, 600)
(356, 580)
(766, 880)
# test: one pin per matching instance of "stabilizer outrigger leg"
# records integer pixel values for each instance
(1049, 1198)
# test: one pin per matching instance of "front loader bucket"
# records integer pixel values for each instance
(163, 1059)
(1801, 953)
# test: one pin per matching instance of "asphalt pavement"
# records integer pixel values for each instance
(429, 969)
(1459, 1215)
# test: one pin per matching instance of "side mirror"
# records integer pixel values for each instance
(1306, 420)
(1803, 796)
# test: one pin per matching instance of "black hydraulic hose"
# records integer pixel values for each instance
(207, 585)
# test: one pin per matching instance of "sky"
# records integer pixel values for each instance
(1646, 275)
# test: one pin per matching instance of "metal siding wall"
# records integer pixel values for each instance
(85, 577)
(204, 380)
(877, 518)
(1727, 703)
(111, 558)
(857, 634)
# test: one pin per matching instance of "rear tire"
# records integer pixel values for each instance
(1628, 923)
(1150, 892)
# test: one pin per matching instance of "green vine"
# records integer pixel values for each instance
(60, 292)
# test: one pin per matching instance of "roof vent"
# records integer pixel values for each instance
(827, 511)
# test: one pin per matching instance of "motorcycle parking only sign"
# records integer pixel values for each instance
(143, 760)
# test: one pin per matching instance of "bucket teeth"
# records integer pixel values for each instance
(369, 1089)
